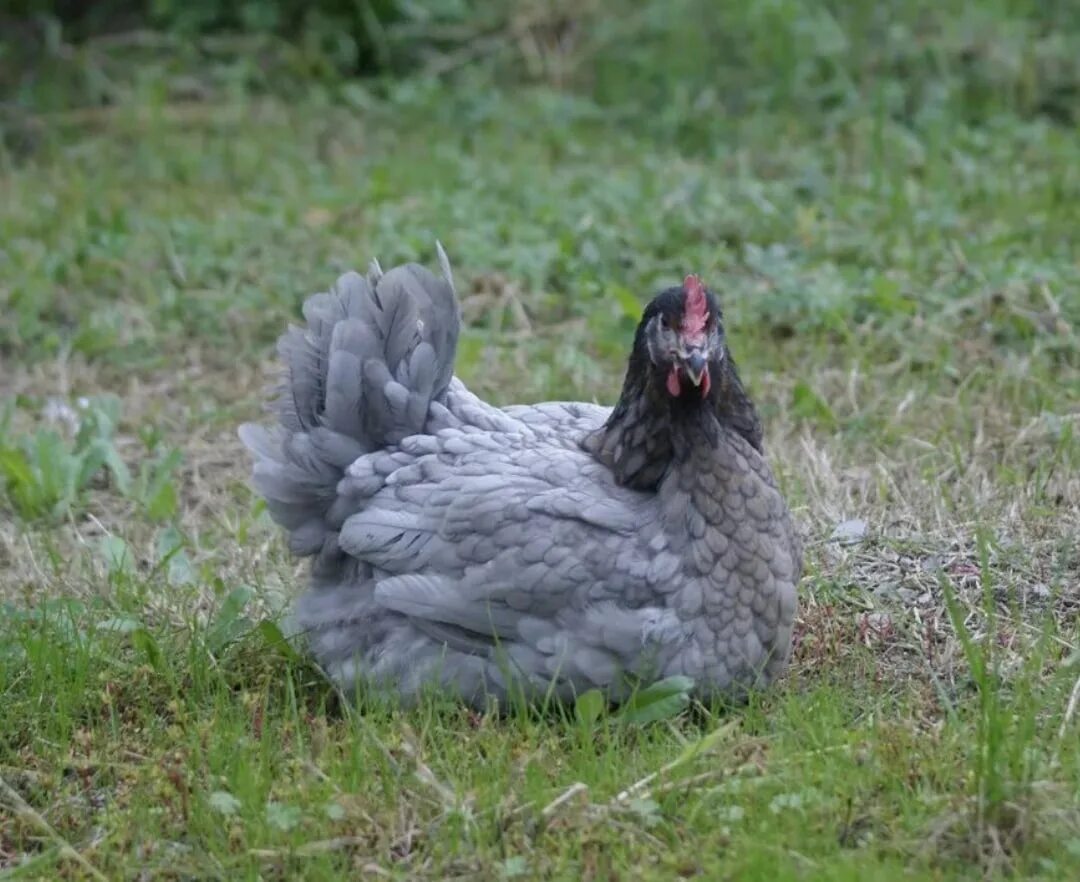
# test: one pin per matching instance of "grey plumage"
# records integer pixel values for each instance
(546, 548)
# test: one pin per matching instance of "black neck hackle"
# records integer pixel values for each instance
(649, 428)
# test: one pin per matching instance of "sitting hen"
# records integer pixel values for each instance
(539, 549)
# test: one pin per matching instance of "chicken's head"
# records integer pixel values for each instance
(683, 333)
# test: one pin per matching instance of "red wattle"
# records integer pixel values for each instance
(673, 384)
(706, 382)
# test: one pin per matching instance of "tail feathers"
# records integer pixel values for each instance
(376, 354)
(351, 344)
(402, 324)
(298, 475)
(412, 298)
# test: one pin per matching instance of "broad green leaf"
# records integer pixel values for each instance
(274, 639)
(171, 555)
(659, 701)
(115, 465)
(282, 817)
(117, 555)
(224, 802)
(229, 623)
(120, 625)
(590, 706)
(514, 867)
(144, 641)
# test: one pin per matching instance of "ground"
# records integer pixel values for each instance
(901, 295)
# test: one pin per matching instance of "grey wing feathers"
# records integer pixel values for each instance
(480, 547)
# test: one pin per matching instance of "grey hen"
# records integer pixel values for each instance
(537, 549)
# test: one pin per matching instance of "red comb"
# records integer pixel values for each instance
(696, 311)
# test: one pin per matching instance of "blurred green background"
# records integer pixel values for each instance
(686, 60)
(825, 157)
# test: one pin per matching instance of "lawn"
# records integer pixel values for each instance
(891, 222)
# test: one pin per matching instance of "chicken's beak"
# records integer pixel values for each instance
(696, 366)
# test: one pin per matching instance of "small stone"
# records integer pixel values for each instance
(879, 621)
(908, 595)
(849, 532)
(932, 564)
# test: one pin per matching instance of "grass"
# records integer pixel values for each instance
(902, 295)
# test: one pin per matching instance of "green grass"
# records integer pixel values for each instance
(898, 263)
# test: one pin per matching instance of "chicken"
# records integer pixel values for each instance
(535, 550)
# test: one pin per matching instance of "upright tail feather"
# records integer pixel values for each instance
(362, 374)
